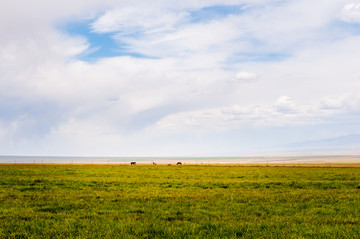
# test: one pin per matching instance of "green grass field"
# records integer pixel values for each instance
(94, 201)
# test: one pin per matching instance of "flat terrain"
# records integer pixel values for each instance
(109, 201)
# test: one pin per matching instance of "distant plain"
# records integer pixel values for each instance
(321, 159)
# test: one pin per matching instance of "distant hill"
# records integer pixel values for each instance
(342, 144)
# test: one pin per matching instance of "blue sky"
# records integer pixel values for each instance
(100, 45)
(129, 78)
(106, 44)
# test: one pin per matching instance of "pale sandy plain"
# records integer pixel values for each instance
(287, 160)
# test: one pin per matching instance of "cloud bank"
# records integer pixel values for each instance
(185, 78)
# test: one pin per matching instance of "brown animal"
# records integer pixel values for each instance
(133, 163)
(178, 163)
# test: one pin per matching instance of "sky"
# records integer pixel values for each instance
(176, 78)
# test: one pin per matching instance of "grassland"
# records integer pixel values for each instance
(94, 201)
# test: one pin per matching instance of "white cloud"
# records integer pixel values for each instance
(49, 97)
(281, 113)
(131, 20)
(286, 105)
(351, 13)
(349, 103)
(245, 76)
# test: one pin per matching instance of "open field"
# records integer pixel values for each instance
(108, 201)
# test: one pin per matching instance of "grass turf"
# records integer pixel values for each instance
(97, 201)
